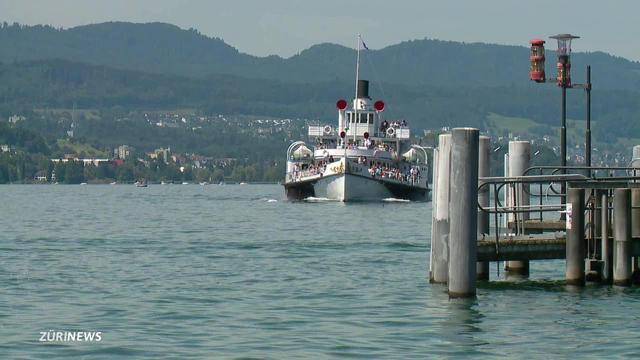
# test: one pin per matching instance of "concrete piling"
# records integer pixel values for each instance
(440, 203)
(635, 219)
(607, 243)
(434, 191)
(636, 152)
(635, 212)
(622, 237)
(484, 155)
(459, 227)
(596, 217)
(463, 222)
(519, 161)
(575, 248)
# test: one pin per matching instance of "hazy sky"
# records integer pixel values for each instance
(285, 27)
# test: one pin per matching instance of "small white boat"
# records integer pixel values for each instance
(112, 183)
(185, 183)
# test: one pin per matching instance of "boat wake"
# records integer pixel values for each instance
(317, 199)
(396, 200)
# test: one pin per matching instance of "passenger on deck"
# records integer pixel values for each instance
(383, 126)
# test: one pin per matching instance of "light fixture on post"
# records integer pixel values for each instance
(536, 72)
(563, 80)
(564, 59)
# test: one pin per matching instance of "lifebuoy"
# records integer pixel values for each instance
(327, 129)
(391, 131)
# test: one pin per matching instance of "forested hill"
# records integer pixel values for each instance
(430, 83)
(167, 49)
(61, 84)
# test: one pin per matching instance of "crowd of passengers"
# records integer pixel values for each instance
(409, 174)
(367, 144)
(384, 125)
(377, 169)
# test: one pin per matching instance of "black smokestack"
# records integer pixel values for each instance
(363, 89)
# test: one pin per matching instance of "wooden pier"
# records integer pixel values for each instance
(597, 231)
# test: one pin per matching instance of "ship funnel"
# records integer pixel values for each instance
(363, 89)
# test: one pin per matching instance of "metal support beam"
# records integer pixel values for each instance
(587, 147)
(563, 144)
(607, 241)
(484, 154)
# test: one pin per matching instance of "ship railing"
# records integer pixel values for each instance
(400, 132)
(364, 169)
(300, 175)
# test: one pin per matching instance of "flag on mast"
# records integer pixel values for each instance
(363, 44)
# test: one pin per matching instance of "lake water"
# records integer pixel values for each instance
(189, 271)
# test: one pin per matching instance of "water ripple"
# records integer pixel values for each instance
(235, 272)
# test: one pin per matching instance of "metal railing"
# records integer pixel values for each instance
(633, 173)
(517, 187)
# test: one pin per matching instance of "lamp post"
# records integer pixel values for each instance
(563, 80)
(587, 140)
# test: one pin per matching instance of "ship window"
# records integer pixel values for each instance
(370, 118)
(363, 118)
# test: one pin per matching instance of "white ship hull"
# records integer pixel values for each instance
(349, 187)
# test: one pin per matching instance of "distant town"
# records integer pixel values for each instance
(76, 153)
(186, 146)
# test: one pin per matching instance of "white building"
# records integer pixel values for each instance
(122, 152)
